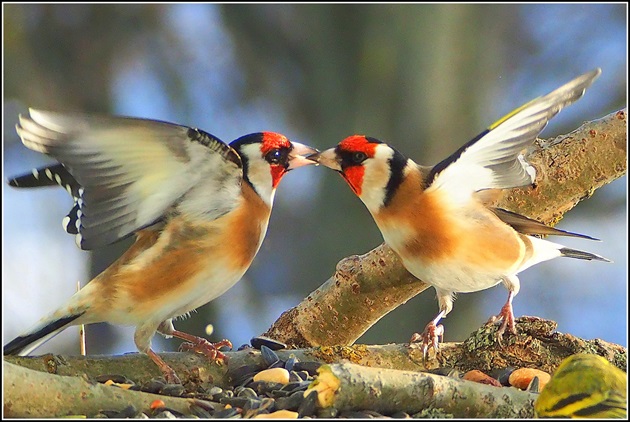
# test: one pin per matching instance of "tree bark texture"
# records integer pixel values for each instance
(61, 385)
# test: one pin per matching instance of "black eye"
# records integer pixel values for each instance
(275, 156)
(359, 157)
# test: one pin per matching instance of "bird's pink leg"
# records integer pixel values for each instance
(507, 316)
(203, 346)
(431, 336)
(169, 373)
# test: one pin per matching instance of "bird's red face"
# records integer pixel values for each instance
(267, 157)
(283, 155)
(349, 157)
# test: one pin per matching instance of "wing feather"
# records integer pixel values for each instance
(133, 171)
(493, 159)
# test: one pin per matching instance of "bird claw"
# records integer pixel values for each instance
(506, 315)
(431, 337)
(210, 350)
(170, 377)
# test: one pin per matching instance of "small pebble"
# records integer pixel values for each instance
(521, 378)
(279, 375)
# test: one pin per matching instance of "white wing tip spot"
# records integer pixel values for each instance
(528, 167)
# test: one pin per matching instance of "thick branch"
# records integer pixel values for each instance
(536, 345)
(31, 393)
(35, 394)
(352, 387)
(365, 288)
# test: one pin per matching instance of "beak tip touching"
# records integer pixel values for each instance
(314, 157)
(302, 156)
(327, 158)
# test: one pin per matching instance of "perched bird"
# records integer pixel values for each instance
(199, 209)
(435, 218)
(584, 386)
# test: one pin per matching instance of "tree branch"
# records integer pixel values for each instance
(365, 288)
(32, 390)
(352, 387)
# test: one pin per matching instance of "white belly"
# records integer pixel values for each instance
(453, 277)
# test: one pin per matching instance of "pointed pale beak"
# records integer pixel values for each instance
(300, 156)
(328, 159)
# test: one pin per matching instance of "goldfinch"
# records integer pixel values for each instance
(199, 209)
(435, 219)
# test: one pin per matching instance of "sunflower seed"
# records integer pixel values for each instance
(259, 341)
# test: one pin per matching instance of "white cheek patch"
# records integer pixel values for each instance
(259, 173)
(375, 178)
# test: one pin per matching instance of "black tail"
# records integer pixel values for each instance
(18, 344)
(526, 225)
(574, 253)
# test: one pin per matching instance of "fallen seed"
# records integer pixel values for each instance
(279, 375)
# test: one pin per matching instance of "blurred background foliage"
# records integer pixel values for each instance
(424, 77)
